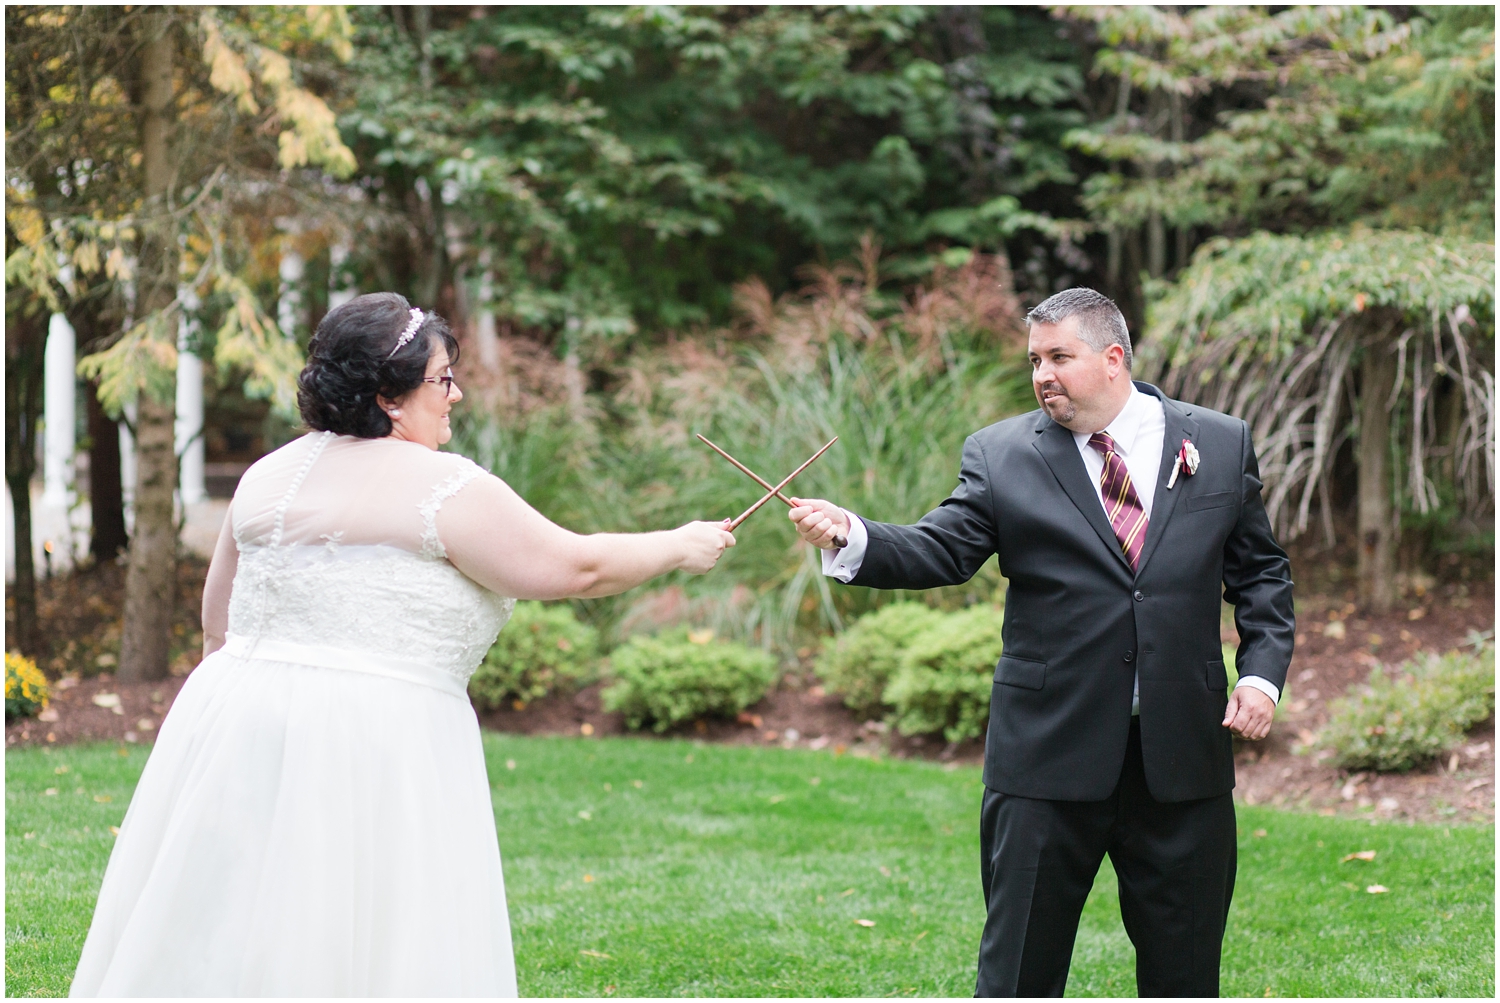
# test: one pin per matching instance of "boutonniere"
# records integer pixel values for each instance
(1187, 457)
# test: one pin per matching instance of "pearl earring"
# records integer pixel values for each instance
(395, 412)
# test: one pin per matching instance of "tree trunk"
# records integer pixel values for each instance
(1377, 525)
(150, 582)
(106, 491)
(25, 342)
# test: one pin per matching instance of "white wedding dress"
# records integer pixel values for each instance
(315, 819)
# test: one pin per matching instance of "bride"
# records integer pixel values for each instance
(315, 819)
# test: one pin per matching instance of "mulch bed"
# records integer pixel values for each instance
(81, 618)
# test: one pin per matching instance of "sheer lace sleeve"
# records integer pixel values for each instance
(432, 544)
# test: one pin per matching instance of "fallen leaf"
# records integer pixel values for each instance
(1259, 834)
(815, 781)
(770, 736)
(585, 816)
(586, 728)
(62, 769)
(777, 798)
(701, 636)
(596, 954)
(1377, 889)
(1334, 630)
(103, 798)
(637, 784)
(865, 922)
(146, 724)
(114, 830)
(48, 716)
(843, 894)
(588, 877)
(886, 871)
(50, 791)
(745, 717)
(510, 764)
(1359, 855)
(1474, 785)
(109, 700)
(919, 937)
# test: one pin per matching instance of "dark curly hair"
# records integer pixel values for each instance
(349, 364)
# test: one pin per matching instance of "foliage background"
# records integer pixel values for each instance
(773, 225)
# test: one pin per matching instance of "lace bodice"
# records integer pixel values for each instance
(348, 556)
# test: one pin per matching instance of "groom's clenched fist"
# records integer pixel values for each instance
(1249, 713)
(819, 522)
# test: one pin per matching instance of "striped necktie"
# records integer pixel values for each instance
(1121, 504)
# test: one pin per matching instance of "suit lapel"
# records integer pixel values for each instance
(1179, 426)
(1057, 447)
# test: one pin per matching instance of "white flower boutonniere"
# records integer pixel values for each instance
(1187, 457)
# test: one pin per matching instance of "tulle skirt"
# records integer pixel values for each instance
(304, 830)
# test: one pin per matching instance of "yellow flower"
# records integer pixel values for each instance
(26, 689)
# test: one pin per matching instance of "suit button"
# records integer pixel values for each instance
(1129, 656)
(1139, 595)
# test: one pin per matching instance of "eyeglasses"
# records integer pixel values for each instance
(446, 380)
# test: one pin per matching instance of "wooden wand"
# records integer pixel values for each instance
(775, 492)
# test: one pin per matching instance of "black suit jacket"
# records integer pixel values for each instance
(1079, 624)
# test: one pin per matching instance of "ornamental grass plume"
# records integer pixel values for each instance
(26, 688)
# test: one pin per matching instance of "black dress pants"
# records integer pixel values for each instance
(1175, 864)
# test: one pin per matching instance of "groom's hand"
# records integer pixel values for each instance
(819, 521)
(1249, 713)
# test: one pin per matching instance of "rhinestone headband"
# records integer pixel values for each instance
(409, 333)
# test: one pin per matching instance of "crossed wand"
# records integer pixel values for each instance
(772, 492)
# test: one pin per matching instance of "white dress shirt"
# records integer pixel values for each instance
(1138, 431)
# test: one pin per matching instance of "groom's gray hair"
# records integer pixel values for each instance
(1100, 322)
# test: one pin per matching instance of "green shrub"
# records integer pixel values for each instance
(946, 674)
(26, 689)
(1421, 713)
(677, 676)
(859, 663)
(541, 649)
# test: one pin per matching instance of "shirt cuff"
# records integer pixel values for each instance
(842, 565)
(1264, 685)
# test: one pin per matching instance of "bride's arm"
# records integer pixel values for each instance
(218, 586)
(504, 544)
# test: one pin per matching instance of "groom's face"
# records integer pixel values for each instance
(1076, 385)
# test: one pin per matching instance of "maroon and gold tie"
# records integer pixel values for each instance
(1121, 504)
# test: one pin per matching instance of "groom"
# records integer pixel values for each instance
(1120, 517)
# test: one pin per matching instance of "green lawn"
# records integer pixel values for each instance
(663, 868)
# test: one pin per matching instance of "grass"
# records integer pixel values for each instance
(667, 868)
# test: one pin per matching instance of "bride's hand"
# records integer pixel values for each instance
(702, 544)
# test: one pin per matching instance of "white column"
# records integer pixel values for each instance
(340, 291)
(59, 412)
(127, 465)
(484, 328)
(289, 302)
(189, 424)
